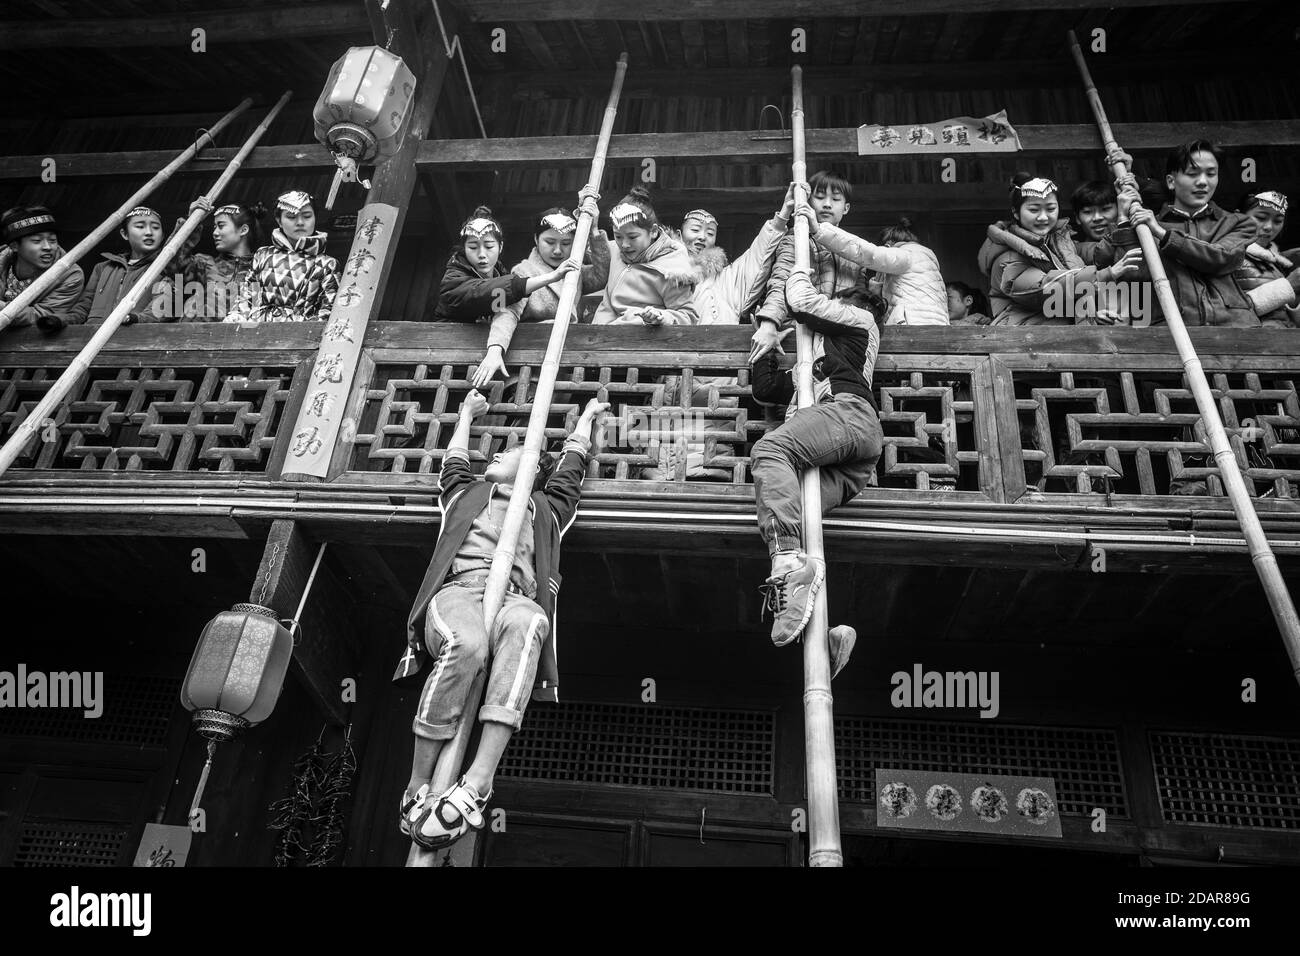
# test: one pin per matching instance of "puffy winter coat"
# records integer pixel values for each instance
(109, 283)
(1262, 277)
(542, 304)
(913, 285)
(465, 296)
(833, 274)
(725, 291)
(52, 307)
(1026, 272)
(661, 276)
(289, 281)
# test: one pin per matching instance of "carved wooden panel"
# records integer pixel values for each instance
(666, 424)
(174, 419)
(1138, 432)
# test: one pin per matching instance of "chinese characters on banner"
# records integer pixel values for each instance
(325, 404)
(969, 134)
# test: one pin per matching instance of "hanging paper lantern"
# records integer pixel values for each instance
(237, 671)
(362, 113)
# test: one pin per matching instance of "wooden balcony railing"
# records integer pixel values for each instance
(1095, 417)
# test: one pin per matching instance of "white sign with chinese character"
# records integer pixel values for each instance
(325, 404)
(163, 846)
(962, 134)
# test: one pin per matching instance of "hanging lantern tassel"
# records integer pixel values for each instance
(346, 173)
(203, 781)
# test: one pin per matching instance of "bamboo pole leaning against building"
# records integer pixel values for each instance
(68, 378)
(453, 754)
(47, 279)
(1261, 554)
(818, 704)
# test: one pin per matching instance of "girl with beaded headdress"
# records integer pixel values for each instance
(1036, 276)
(475, 286)
(292, 279)
(651, 279)
(116, 274)
(236, 235)
(552, 247)
(1270, 278)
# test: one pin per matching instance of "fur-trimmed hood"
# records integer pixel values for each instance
(705, 264)
(1007, 236)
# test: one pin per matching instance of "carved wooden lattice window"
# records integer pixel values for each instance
(653, 432)
(137, 712)
(1228, 781)
(222, 419)
(1140, 433)
(1084, 762)
(48, 843)
(730, 751)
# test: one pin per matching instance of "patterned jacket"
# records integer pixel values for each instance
(53, 305)
(289, 282)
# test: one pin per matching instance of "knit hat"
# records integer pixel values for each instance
(24, 221)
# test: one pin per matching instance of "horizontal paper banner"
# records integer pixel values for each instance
(967, 802)
(968, 134)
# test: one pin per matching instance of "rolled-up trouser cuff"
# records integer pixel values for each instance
(784, 542)
(501, 715)
(422, 728)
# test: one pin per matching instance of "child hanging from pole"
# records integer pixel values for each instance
(31, 246)
(291, 280)
(475, 286)
(552, 248)
(840, 435)
(447, 619)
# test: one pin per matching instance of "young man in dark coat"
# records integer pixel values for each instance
(447, 619)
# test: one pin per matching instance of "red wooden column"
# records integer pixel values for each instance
(324, 415)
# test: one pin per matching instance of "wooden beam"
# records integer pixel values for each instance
(222, 26)
(326, 651)
(507, 11)
(630, 148)
(857, 78)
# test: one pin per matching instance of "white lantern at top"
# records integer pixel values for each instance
(362, 113)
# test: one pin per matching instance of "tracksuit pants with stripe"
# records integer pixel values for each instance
(461, 648)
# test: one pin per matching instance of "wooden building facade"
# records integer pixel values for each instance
(1150, 685)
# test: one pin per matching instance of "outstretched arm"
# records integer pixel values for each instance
(564, 490)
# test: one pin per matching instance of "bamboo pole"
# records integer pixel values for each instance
(47, 279)
(452, 754)
(504, 559)
(64, 383)
(1261, 554)
(818, 704)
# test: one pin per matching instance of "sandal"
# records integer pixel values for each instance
(409, 803)
(450, 817)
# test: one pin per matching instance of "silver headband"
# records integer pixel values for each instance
(480, 227)
(626, 212)
(559, 222)
(702, 215)
(1273, 199)
(140, 211)
(293, 201)
(1038, 188)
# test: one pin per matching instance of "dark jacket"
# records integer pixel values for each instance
(1200, 253)
(51, 309)
(110, 281)
(465, 296)
(461, 499)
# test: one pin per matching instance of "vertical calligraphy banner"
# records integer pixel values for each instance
(324, 407)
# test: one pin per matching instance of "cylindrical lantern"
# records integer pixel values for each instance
(362, 112)
(237, 671)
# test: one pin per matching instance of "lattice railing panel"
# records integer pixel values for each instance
(409, 412)
(1228, 780)
(220, 418)
(1140, 433)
